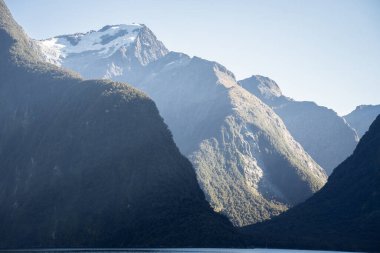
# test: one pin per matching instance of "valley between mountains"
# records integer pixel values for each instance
(252, 147)
(109, 139)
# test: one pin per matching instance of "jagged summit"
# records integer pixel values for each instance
(104, 41)
(247, 163)
(125, 40)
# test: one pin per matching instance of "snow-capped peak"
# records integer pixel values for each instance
(116, 50)
(103, 42)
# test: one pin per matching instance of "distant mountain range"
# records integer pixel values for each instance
(247, 163)
(324, 135)
(343, 215)
(362, 117)
(90, 163)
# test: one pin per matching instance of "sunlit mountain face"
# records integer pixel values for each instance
(247, 163)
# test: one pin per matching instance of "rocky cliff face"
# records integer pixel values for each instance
(247, 163)
(90, 163)
(110, 52)
(323, 134)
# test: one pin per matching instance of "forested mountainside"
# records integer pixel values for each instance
(322, 132)
(248, 165)
(362, 117)
(90, 163)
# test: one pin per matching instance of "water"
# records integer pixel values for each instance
(184, 250)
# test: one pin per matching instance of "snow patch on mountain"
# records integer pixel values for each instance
(52, 51)
(112, 71)
(104, 42)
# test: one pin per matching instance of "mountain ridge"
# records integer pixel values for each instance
(134, 42)
(325, 136)
(362, 117)
(214, 123)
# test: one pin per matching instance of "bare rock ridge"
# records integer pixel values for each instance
(106, 52)
(322, 133)
(247, 163)
(90, 163)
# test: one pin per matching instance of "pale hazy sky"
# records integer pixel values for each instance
(326, 51)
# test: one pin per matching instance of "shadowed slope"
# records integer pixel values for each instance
(90, 163)
(343, 215)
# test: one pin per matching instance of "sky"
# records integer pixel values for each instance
(324, 51)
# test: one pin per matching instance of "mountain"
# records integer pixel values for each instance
(343, 215)
(322, 133)
(248, 165)
(90, 163)
(106, 52)
(362, 117)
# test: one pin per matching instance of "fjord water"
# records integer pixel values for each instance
(185, 250)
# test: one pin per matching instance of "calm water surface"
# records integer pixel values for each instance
(192, 250)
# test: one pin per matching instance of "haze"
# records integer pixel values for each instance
(325, 51)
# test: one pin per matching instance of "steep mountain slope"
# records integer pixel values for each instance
(247, 163)
(343, 215)
(90, 163)
(320, 131)
(105, 53)
(362, 117)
